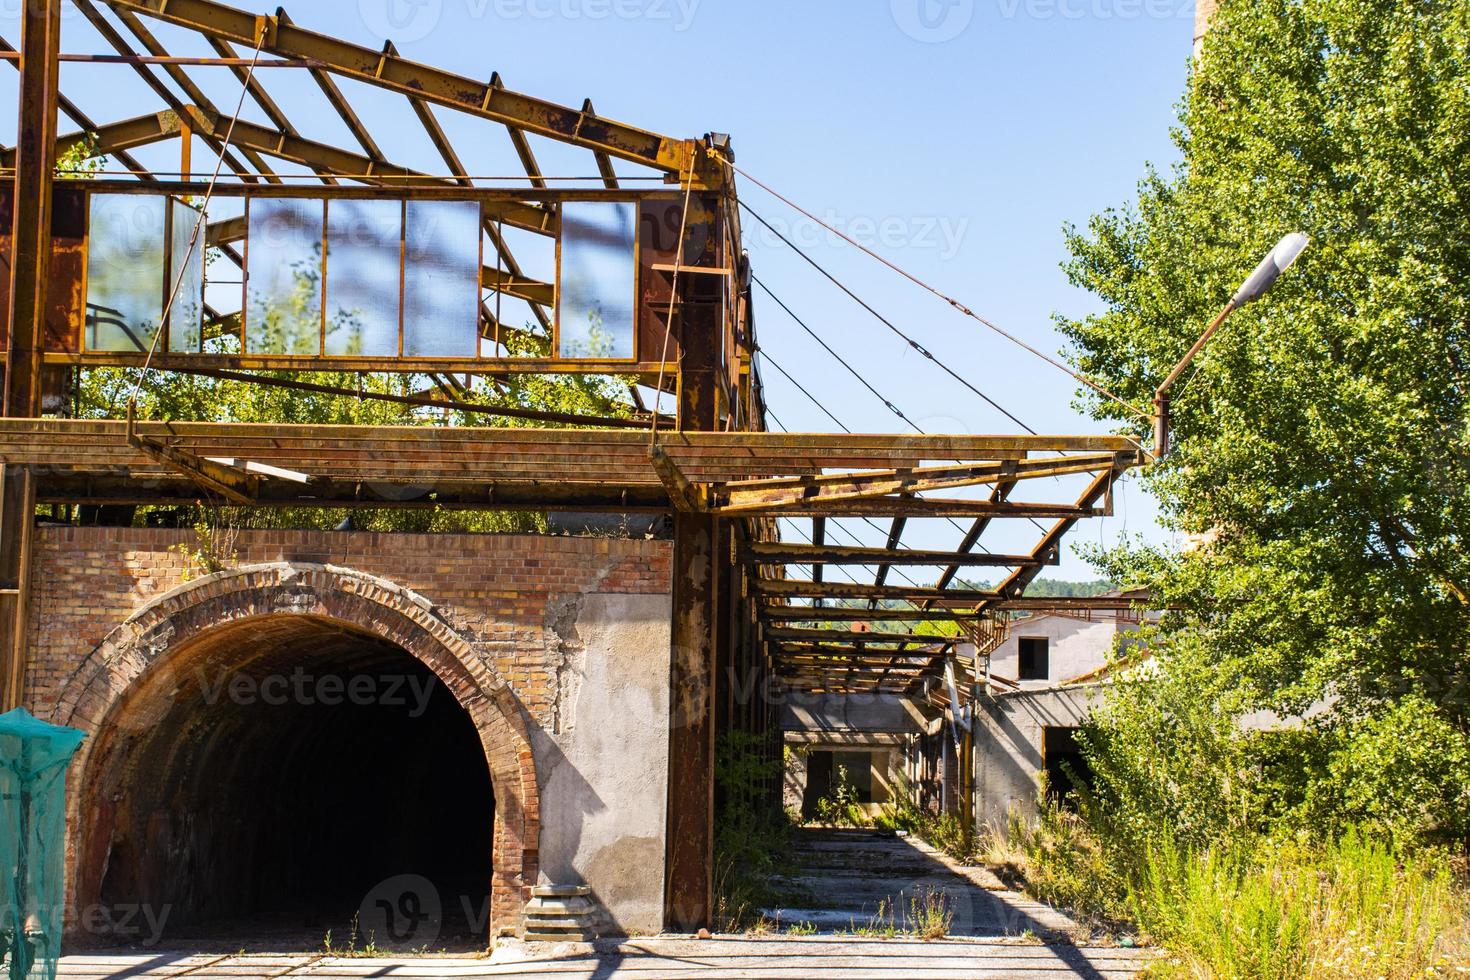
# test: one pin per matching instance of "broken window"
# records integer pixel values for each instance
(596, 295)
(125, 271)
(364, 244)
(441, 279)
(1033, 657)
(185, 277)
(283, 304)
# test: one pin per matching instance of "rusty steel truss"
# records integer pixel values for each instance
(748, 601)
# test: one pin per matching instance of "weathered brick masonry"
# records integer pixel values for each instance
(481, 611)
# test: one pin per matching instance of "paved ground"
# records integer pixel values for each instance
(845, 876)
(811, 958)
(861, 881)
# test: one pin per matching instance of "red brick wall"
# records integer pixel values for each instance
(493, 588)
(493, 601)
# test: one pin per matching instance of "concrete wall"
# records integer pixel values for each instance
(1008, 747)
(886, 761)
(603, 763)
(1075, 647)
(836, 713)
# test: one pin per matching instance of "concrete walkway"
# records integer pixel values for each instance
(844, 878)
(865, 881)
(813, 958)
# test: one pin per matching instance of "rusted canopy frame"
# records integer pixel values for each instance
(76, 115)
(763, 495)
(394, 73)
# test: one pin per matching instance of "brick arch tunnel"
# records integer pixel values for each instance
(274, 772)
(269, 746)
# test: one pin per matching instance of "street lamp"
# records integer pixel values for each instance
(1277, 261)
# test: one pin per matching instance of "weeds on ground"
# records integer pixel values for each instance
(929, 915)
(1354, 907)
(352, 951)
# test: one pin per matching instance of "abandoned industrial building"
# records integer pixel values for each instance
(281, 717)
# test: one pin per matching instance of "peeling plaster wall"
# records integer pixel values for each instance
(603, 761)
(1008, 743)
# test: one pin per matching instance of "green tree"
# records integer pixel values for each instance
(1322, 443)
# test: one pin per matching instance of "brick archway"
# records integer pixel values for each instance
(142, 651)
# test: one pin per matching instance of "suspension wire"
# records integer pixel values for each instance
(840, 359)
(864, 381)
(887, 322)
(1075, 375)
(799, 387)
(198, 226)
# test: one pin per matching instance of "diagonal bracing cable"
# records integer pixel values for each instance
(887, 322)
(1075, 375)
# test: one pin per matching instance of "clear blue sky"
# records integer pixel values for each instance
(955, 136)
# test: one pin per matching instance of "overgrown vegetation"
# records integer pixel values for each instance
(1284, 790)
(752, 838)
(103, 393)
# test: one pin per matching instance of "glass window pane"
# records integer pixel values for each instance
(595, 295)
(441, 279)
(186, 267)
(283, 309)
(124, 271)
(362, 277)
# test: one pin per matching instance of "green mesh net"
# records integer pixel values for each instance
(33, 761)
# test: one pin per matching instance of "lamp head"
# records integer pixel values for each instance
(1272, 266)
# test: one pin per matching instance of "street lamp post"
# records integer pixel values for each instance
(1277, 261)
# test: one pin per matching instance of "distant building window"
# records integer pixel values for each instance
(1033, 666)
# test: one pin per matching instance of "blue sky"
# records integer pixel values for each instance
(954, 136)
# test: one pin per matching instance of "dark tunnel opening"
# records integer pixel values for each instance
(269, 781)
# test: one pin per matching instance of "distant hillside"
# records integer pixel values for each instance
(1047, 588)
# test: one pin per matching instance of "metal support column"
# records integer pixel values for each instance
(30, 263)
(701, 569)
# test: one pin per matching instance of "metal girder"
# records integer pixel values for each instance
(74, 112)
(922, 507)
(856, 636)
(829, 488)
(117, 137)
(181, 78)
(530, 290)
(794, 589)
(604, 162)
(262, 98)
(862, 614)
(120, 44)
(778, 553)
(415, 80)
(523, 145)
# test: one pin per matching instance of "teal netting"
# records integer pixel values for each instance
(33, 761)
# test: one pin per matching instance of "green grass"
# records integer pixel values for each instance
(1354, 907)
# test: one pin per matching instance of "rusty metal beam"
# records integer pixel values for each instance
(76, 115)
(795, 588)
(604, 162)
(186, 84)
(831, 488)
(30, 263)
(398, 74)
(777, 553)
